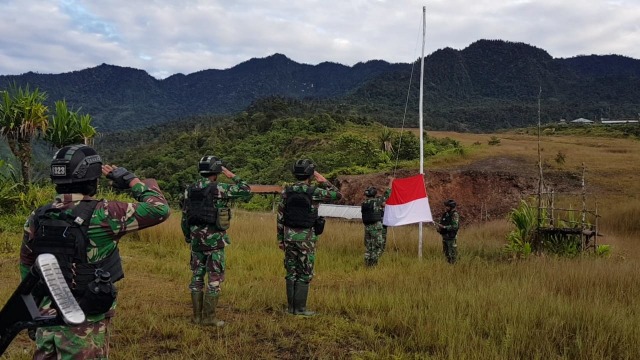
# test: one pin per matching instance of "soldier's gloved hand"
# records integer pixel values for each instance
(121, 178)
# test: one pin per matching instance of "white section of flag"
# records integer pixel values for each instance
(412, 212)
(408, 202)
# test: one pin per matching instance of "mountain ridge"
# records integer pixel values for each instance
(488, 85)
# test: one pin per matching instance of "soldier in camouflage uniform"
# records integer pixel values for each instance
(448, 228)
(298, 228)
(204, 224)
(375, 234)
(75, 171)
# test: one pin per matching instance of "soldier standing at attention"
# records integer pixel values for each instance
(206, 216)
(448, 228)
(298, 227)
(83, 234)
(375, 234)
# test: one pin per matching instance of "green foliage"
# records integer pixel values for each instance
(67, 127)
(520, 241)
(603, 250)
(265, 156)
(596, 130)
(494, 140)
(351, 149)
(9, 185)
(22, 117)
(258, 203)
(406, 146)
(525, 219)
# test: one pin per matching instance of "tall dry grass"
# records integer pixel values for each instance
(483, 307)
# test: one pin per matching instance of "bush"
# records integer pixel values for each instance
(560, 157)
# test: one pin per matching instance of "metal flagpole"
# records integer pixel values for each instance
(424, 25)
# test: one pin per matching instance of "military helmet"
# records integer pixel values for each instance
(75, 164)
(303, 168)
(209, 165)
(370, 191)
(451, 203)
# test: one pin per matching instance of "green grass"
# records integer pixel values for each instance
(484, 307)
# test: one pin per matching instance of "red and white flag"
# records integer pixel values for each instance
(408, 202)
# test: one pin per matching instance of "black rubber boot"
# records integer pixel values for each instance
(209, 311)
(301, 291)
(196, 301)
(290, 292)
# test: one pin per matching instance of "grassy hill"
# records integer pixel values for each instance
(487, 306)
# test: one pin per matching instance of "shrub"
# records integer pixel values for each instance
(560, 157)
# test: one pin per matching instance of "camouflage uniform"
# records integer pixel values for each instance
(109, 222)
(450, 220)
(299, 244)
(375, 235)
(207, 242)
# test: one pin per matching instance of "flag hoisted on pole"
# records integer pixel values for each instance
(408, 203)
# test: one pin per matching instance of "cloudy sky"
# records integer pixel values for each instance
(165, 37)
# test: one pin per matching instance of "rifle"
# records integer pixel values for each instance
(21, 310)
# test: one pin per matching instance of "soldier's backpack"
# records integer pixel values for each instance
(66, 237)
(298, 208)
(370, 215)
(200, 207)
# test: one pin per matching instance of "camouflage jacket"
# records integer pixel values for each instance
(207, 237)
(110, 221)
(378, 203)
(450, 220)
(323, 193)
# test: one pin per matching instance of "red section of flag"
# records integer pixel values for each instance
(407, 189)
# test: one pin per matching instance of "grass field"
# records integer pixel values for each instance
(484, 307)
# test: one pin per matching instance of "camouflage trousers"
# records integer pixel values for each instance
(450, 250)
(85, 341)
(211, 263)
(375, 240)
(299, 259)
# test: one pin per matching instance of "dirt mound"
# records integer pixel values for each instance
(484, 190)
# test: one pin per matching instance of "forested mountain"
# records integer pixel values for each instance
(490, 84)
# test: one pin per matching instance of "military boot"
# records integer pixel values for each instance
(196, 301)
(301, 291)
(209, 311)
(290, 292)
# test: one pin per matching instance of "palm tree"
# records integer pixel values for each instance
(85, 129)
(386, 138)
(22, 116)
(68, 127)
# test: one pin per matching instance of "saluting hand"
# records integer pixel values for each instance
(228, 173)
(319, 177)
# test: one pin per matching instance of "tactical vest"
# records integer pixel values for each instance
(371, 214)
(65, 236)
(201, 209)
(446, 220)
(298, 208)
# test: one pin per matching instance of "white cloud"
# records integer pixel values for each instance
(165, 37)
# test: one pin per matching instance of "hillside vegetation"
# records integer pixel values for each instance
(489, 85)
(261, 144)
(487, 306)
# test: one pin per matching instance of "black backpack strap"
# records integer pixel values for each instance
(81, 217)
(310, 191)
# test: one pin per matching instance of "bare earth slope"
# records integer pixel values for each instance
(489, 181)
